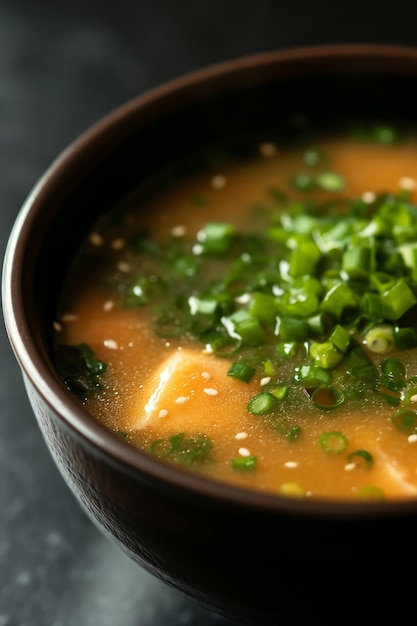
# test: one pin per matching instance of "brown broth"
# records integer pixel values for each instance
(216, 404)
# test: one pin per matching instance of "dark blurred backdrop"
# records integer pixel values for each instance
(63, 65)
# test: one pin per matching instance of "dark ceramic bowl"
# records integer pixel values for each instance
(261, 558)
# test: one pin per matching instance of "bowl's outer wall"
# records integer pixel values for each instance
(257, 563)
(253, 565)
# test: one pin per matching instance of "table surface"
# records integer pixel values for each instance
(63, 65)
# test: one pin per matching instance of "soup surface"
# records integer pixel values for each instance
(256, 321)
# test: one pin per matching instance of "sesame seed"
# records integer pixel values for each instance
(208, 349)
(69, 317)
(206, 375)
(218, 181)
(108, 305)
(210, 391)
(179, 231)
(163, 413)
(243, 299)
(413, 398)
(408, 183)
(368, 197)
(412, 438)
(124, 267)
(198, 249)
(244, 452)
(111, 344)
(118, 244)
(350, 466)
(57, 326)
(181, 400)
(291, 464)
(267, 149)
(240, 436)
(96, 239)
(167, 344)
(265, 381)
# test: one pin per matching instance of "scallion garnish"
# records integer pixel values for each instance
(361, 458)
(246, 464)
(262, 403)
(241, 371)
(405, 420)
(333, 442)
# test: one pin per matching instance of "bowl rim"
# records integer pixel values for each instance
(35, 368)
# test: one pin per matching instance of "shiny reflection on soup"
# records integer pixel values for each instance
(256, 322)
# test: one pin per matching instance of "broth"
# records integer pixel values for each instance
(151, 299)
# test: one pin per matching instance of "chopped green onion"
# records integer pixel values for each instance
(312, 376)
(262, 403)
(397, 300)
(313, 157)
(241, 371)
(280, 393)
(330, 181)
(338, 299)
(361, 458)
(333, 442)
(288, 349)
(181, 449)
(393, 373)
(340, 338)
(325, 354)
(246, 464)
(215, 238)
(244, 326)
(405, 338)
(302, 182)
(290, 329)
(328, 397)
(379, 339)
(405, 420)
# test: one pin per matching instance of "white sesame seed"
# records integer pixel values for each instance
(96, 239)
(240, 436)
(368, 196)
(210, 391)
(198, 249)
(291, 464)
(208, 349)
(406, 182)
(179, 231)
(244, 452)
(412, 438)
(181, 400)
(57, 326)
(118, 244)
(265, 380)
(124, 267)
(243, 299)
(111, 344)
(218, 181)
(167, 344)
(163, 413)
(350, 466)
(108, 305)
(206, 375)
(413, 398)
(267, 149)
(69, 317)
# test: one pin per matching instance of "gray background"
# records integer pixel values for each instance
(63, 65)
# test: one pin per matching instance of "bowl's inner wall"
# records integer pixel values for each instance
(260, 113)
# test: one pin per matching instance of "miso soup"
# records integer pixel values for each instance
(255, 321)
